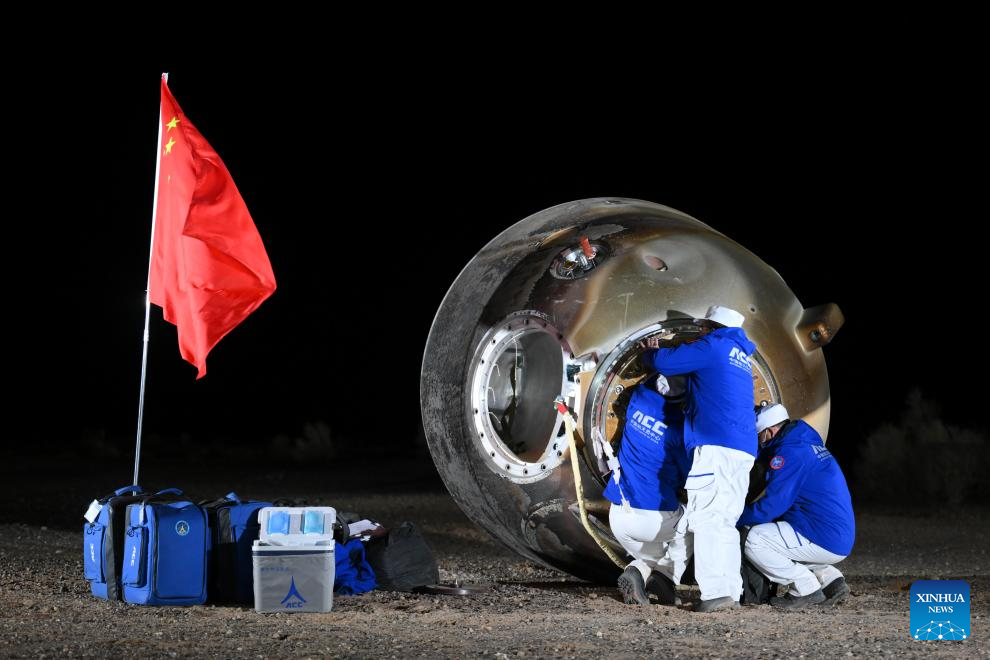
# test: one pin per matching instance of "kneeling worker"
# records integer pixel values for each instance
(653, 464)
(804, 522)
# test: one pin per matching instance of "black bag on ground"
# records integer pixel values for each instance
(103, 543)
(233, 531)
(757, 589)
(402, 560)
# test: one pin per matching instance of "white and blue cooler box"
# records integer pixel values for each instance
(294, 559)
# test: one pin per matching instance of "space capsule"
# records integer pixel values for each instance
(555, 306)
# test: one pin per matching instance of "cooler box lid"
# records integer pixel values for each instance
(289, 526)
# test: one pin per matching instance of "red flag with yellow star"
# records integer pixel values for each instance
(209, 268)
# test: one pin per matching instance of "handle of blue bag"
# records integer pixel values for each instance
(120, 491)
(174, 491)
(152, 498)
(129, 489)
(232, 496)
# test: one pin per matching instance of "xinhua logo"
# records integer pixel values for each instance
(940, 609)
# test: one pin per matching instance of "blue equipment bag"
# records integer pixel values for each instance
(233, 530)
(165, 551)
(103, 542)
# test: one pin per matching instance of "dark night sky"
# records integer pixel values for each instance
(372, 189)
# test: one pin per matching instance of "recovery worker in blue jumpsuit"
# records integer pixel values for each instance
(720, 436)
(804, 523)
(652, 467)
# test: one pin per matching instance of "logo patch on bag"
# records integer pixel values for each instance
(182, 528)
(776, 462)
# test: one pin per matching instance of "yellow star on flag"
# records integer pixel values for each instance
(168, 145)
(171, 124)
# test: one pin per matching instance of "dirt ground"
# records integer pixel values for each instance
(46, 609)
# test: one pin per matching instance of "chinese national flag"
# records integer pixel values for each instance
(209, 268)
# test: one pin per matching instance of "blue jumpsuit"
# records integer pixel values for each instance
(720, 433)
(720, 388)
(806, 488)
(653, 464)
(652, 457)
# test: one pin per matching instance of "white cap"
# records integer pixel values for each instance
(730, 318)
(771, 416)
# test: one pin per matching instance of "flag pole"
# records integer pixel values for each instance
(147, 297)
